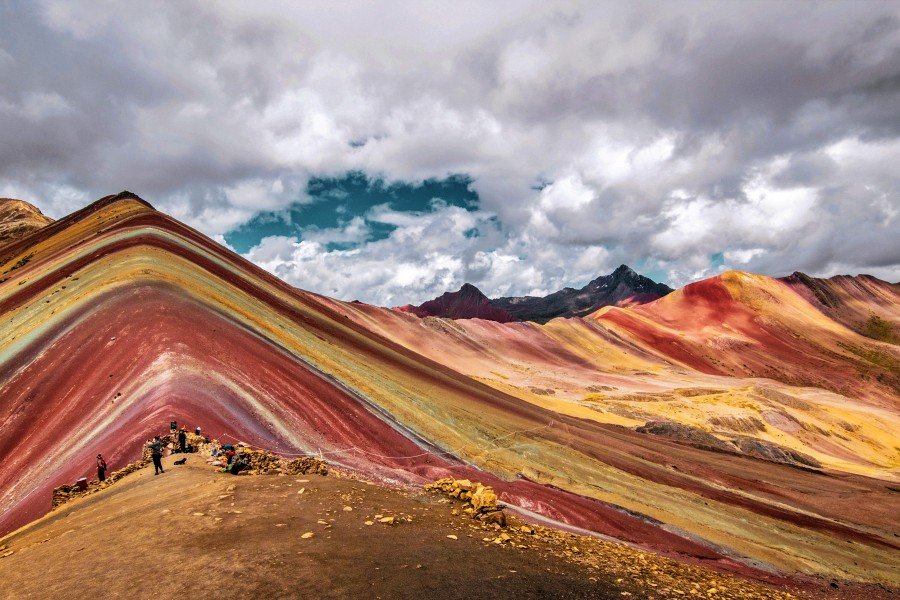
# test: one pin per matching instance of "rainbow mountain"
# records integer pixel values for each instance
(742, 421)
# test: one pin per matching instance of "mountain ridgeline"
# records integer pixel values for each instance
(736, 416)
(623, 287)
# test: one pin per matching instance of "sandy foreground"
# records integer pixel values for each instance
(194, 532)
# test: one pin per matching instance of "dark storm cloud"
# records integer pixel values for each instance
(764, 133)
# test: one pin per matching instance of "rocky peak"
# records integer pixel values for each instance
(19, 219)
(467, 303)
(470, 291)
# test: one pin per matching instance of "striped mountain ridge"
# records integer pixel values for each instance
(118, 319)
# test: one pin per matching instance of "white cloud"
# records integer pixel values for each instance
(668, 133)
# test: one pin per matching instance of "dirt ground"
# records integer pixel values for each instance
(196, 533)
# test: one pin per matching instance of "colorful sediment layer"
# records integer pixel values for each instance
(118, 319)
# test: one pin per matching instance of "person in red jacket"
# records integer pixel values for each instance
(101, 468)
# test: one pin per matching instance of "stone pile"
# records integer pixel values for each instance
(66, 492)
(262, 462)
(306, 465)
(481, 500)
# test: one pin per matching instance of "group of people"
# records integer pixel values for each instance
(227, 457)
(156, 447)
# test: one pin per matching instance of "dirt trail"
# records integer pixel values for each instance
(193, 532)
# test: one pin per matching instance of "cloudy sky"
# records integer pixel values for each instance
(391, 151)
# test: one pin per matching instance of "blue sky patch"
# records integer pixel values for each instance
(332, 202)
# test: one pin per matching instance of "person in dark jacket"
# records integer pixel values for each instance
(156, 454)
(101, 468)
(182, 440)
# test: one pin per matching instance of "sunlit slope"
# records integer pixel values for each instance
(744, 325)
(119, 318)
(863, 303)
(593, 370)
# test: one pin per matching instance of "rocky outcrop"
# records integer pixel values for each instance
(481, 500)
(686, 434)
(19, 219)
(749, 446)
(774, 453)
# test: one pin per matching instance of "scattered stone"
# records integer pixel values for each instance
(348, 508)
(387, 520)
(452, 537)
(495, 517)
(307, 535)
(370, 522)
(481, 500)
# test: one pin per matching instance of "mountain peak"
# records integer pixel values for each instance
(19, 219)
(468, 289)
(623, 270)
(623, 287)
(467, 303)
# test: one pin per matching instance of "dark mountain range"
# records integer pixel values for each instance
(620, 288)
(468, 303)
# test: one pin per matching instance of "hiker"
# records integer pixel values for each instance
(156, 455)
(101, 468)
(197, 431)
(240, 464)
(182, 440)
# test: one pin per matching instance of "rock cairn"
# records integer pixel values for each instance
(67, 492)
(307, 465)
(263, 462)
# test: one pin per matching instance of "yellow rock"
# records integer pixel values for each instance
(452, 537)
(307, 535)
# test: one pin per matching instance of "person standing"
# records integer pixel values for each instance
(101, 468)
(182, 440)
(156, 455)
